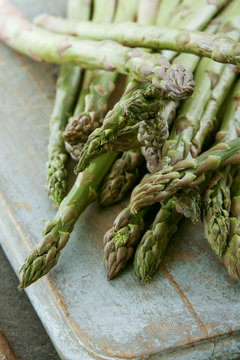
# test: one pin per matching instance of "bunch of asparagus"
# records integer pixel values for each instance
(162, 118)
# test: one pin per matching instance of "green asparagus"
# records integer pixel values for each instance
(119, 241)
(44, 256)
(150, 251)
(217, 202)
(217, 47)
(66, 93)
(231, 256)
(90, 116)
(41, 45)
(135, 105)
(186, 173)
(96, 89)
(121, 178)
(153, 247)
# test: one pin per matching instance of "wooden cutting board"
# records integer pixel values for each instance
(191, 308)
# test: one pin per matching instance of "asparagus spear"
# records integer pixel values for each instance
(217, 47)
(44, 256)
(82, 125)
(147, 11)
(151, 248)
(192, 63)
(121, 178)
(56, 233)
(186, 173)
(41, 45)
(84, 122)
(67, 88)
(216, 206)
(171, 216)
(150, 251)
(231, 256)
(120, 240)
(135, 105)
(166, 11)
(217, 196)
(207, 87)
(156, 245)
(97, 87)
(154, 156)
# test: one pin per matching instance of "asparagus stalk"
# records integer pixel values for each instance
(217, 47)
(84, 122)
(97, 86)
(42, 45)
(82, 125)
(135, 105)
(147, 11)
(120, 240)
(166, 11)
(56, 233)
(227, 21)
(151, 248)
(121, 178)
(150, 251)
(186, 173)
(44, 256)
(66, 93)
(216, 207)
(153, 155)
(231, 256)
(217, 202)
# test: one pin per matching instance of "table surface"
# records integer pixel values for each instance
(191, 308)
(18, 320)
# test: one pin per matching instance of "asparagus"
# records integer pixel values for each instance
(216, 208)
(150, 251)
(82, 125)
(84, 122)
(166, 11)
(57, 232)
(67, 88)
(151, 248)
(231, 256)
(135, 105)
(41, 45)
(111, 242)
(97, 87)
(74, 150)
(44, 256)
(186, 173)
(147, 11)
(179, 141)
(217, 47)
(209, 120)
(168, 230)
(217, 200)
(120, 240)
(121, 178)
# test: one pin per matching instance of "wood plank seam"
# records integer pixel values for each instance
(185, 300)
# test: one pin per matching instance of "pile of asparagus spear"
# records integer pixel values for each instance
(174, 128)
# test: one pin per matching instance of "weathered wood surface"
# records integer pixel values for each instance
(191, 308)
